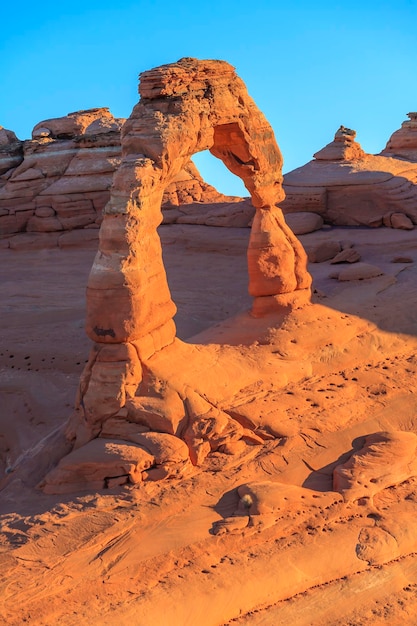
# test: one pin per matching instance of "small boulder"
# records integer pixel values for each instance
(359, 271)
(304, 222)
(384, 460)
(323, 251)
(97, 462)
(402, 259)
(45, 211)
(40, 132)
(43, 224)
(348, 255)
(398, 220)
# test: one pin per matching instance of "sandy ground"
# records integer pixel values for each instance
(175, 552)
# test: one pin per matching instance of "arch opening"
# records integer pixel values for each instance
(214, 173)
(207, 274)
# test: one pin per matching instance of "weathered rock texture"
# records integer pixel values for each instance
(342, 148)
(11, 152)
(60, 180)
(386, 459)
(185, 107)
(346, 186)
(403, 143)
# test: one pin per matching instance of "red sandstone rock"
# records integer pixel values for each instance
(209, 428)
(171, 456)
(11, 153)
(343, 147)
(65, 173)
(403, 143)
(163, 414)
(88, 122)
(322, 251)
(188, 187)
(398, 220)
(63, 169)
(402, 259)
(358, 271)
(268, 497)
(97, 462)
(226, 214)
(7, 137)
(348, 255)
(348, 187)
(225, 123)
(386, 459)
(128, 536)
(129, 306)
(303, 222)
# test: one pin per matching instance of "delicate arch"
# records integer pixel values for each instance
(186, 107)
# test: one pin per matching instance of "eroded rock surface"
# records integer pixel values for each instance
(63, 176)
(347, 186)
(403, 142)
(385, 459)
(60, 181)
(185, 107)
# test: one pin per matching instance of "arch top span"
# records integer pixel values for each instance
(186, 107)
(203, 105)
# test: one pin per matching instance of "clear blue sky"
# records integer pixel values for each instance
(310, 66)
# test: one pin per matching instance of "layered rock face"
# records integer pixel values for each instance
(11, 151)
(184, 108)
(342, 148)
(403, 143)
(60, 180)
(348, 187)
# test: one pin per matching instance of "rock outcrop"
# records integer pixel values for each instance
(384, 460)
(11, 151)
(60, 179)
(403, 143)
(348, 187)
(184, 108)
(342, 148)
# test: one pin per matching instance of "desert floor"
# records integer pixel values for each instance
(185, 551)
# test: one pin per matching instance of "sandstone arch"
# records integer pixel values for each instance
(185, 107)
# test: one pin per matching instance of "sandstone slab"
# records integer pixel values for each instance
(100, 460)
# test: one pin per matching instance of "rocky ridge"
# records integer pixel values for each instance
(349, 187)
(55, 186)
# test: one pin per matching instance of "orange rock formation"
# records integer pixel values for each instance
(403, 143)
(289, 439)
(185, 107)
(60, 181)
(349, 187)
